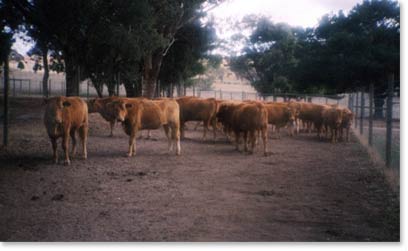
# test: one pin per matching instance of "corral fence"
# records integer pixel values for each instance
(377, 121)
(377, 118)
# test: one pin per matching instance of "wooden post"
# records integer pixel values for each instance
(6, 102)
(362, 112)
(356, 110)
(118, 85)
(193, 90)
(49, 87)
(370, 118)
(29, 87)
(242, 97)
(14, 86)
(388, 143)
(87, 89)
(220, 94)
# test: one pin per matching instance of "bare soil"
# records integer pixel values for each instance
(305, 190)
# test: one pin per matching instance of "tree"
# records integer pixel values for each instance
(20, 65)
(170, 17)
(363, 47)
(188, 56)
(267, 57)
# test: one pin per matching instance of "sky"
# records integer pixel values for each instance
(305, 13)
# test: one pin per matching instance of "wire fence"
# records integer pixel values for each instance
(377, 121)
(377, 118)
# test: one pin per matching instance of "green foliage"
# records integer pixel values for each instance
(20, 65)
(344, 53)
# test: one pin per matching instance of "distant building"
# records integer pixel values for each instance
(227, 80)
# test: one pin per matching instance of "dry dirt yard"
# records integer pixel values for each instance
(305, 190)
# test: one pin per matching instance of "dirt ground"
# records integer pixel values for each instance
(305, 190)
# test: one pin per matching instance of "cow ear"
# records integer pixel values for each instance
(129, 105)
(66, 104)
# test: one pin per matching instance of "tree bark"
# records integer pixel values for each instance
(44, 50)
(72, 78)
(131, 90)
(6, 102)
(151, 68)
(379, 102)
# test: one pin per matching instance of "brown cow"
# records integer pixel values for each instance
(137, 114)
(198, 109)
(280, 115)
(245, 118)
(311, 114)
(100, 105)
(64, 116)
(332, 119)
(346, 123)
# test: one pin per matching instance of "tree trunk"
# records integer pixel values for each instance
(379, 102)
(72, 78)
(151, 68)
(131, 90)
(5, 104)
(111, 88)
(44, 50)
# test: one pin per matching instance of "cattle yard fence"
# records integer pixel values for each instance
(377, 118)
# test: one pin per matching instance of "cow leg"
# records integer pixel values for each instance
(214, 126)
(169, 138)
(264, 139)
(54, 150)
(253, 137)
(347, 134)
(206, 125)
(73, 137)
(246, 141)
(132, 144)
(297, 126)
(182, 128)
(196, 125)
(236, 141)
(175, 134)
(65, 147)
(149, 134)
(83, 134)
(112, 125)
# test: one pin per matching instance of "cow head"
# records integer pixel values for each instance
(92, 105)
(292, 114)
(119, 109)
(339, 114)
(348, 118)
(56, 110)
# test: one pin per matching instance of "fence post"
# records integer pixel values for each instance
(370, 118)
(87, 89)
(356, 109)
(14, 87)
(49, 87)
(21, 86)
(242, 96)
(220, 94)
(388, 142)
(29, 87)
(193, 90)
(362, 112)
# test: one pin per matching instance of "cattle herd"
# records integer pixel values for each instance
(240, 121)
